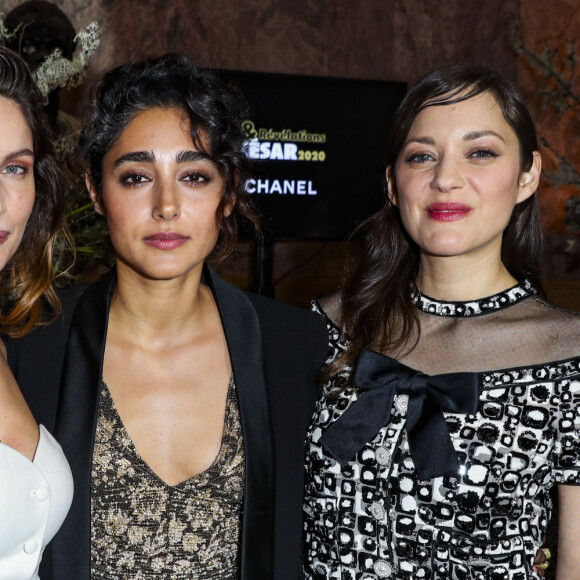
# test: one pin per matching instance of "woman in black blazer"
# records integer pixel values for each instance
(180, 402)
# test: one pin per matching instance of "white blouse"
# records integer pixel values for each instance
(35, 497)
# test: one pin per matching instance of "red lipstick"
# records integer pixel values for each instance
(166, 241)
(447, 211)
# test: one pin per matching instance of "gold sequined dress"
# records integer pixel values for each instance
(143, 528)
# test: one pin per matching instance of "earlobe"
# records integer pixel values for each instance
(229, 207)
(392, 187)
(529, 180)
(94, 195)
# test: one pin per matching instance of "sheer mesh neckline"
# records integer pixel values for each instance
(478, 307)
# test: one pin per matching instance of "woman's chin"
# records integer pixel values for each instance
(445, 247)
(158, 272)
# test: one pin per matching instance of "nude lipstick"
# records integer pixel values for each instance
(447, 211)
(166, 241)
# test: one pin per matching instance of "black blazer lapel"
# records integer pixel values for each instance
(76, 423)
(244, 338)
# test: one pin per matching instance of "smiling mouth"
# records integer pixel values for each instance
(446, 212)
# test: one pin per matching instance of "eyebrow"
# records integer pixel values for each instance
(20, 153)
(138, 156)
(422, 140)
(184, 156)
(149, 157)
(472, 135)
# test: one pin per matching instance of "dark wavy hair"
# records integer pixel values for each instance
(26, 282)
(376, 309)
(215, 111)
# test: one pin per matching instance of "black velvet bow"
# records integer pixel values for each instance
(382, 377)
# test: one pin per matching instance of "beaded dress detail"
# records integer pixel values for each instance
(372, 517)
(143, 528)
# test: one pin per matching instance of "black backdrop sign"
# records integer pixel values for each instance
(317, 145)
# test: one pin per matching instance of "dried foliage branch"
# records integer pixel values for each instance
(566, 174)
(556, 92)
(557, 66)
(56, 71)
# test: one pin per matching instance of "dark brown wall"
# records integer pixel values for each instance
(545, 72)
(380, 39)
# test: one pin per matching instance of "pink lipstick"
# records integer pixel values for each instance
(4, 235)
(166, 241)
(447, 212)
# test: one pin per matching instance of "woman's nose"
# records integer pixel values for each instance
(166, 205)
(448, 175)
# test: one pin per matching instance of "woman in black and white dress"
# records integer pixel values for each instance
(452, 397)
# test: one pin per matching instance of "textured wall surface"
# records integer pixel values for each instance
(548, 77)
(379, 39)
(546, 66)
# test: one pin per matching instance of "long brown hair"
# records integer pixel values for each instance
(377, 310)
(26, 282)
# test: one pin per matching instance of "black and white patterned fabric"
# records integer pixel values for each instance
(373, 518)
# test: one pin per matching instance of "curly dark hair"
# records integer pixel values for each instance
(215, 111)
(377, 310)
(26, 282)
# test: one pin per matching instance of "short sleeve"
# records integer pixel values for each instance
(567, 445)
(336, 342)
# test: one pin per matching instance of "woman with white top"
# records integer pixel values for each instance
(35, 480)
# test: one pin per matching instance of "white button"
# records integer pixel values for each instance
(30, 547)
(41, 493)
(401, 403)
(377, 511)
(383, 456)
(383, 569)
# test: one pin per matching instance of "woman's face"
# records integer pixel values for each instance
(16, 177)
(159, 196)
(457, 178)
